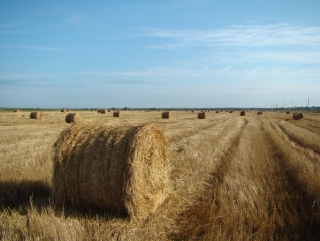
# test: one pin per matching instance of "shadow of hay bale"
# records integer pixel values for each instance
(17, 194)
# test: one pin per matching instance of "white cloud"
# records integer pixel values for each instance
(39, 48)
(239, 36)
(157, 71)
(78, 19)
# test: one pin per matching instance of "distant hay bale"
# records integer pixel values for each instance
(63, 110)
(103, 111)
(35, 115)
(243, 113)
(288, 112)
(230, 111)
(217, 111)
(297, 116)
(117, 114)
(166, 115)
(73, 117)
(109, 110)
(16, 110)
(122, 170)
(259, 113)
(201, 115)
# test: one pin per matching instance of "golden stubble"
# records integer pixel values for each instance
(234, 177)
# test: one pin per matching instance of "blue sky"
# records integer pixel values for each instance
(191, 53)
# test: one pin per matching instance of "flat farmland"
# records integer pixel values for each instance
(254, 177)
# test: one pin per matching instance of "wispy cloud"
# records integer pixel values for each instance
(157, 71)
(239, 36)
(14, 28)
(78, 20)
(38, 48)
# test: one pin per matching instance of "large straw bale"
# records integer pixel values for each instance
(73, 117)
(201, 115)
(297, 116)
(243, 113)
(118, 169)
(103, 111)
(16, 110)
(166, 115)
(35, 115)
(117, 113)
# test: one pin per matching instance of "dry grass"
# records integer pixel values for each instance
(233, 178)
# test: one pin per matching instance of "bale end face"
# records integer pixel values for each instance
(297, 116)
(117, 114)
(73, 118)
(202, 115)
(243, 113)
(35, 115)
(166, 115)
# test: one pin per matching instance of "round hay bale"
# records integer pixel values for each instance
(63, 110)
(35, 115)
(73, 117)
(243, 113)
(117, 114)
(217, 111)
(297, 116)
(123, 170)
(103, 111)
(288, 112)
(16, 110)
(201, 115)
(259, 113)
(166, 115)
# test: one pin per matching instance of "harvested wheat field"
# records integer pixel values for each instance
(230, 177)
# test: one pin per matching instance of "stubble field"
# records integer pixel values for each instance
(254, 177)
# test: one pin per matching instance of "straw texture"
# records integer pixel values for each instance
(123, 169)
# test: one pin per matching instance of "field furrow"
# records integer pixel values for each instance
(257, 196)
(217, 147)
(308, 124)
(303, 175)
(301, 136)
